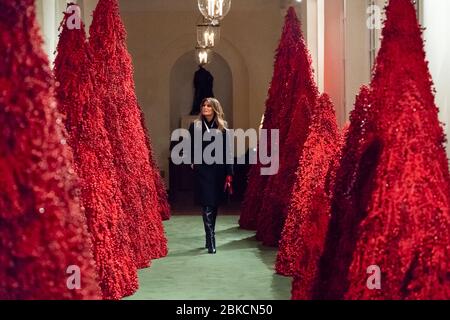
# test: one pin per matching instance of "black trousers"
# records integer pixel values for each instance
(209, 214)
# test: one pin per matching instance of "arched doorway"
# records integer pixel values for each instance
(181, 99)
(182, 90)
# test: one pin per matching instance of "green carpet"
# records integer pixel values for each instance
(241, 269)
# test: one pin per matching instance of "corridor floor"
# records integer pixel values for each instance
(241, 269)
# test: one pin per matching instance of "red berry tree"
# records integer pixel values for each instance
(406, 230)
(307, 220)
(401, 222)
(359, 156)
(300, 93)
(280, 100)
(115, 86)
(88, 138)
(44, 239)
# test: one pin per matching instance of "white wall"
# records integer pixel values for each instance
(50, 13)
(437, 36)
(357, 51)
(334, 70)
(312, 15)
(159, 34)
(347, 53)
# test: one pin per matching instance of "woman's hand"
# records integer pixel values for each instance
(228, 184)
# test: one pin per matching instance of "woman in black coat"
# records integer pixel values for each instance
(213, 175)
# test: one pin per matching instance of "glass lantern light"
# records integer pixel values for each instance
(208, 35)
(214, 10)
(203, 55)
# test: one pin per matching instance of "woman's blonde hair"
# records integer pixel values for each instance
(218, 112)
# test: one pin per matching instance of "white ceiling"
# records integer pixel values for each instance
(189, 5)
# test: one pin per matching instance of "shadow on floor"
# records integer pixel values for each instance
(268, 256)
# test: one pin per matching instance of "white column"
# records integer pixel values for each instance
(437, 46)
(312, 16)
(334, 57)
(347, 53)
(48, 27)
(49, 15)
(88, 7)
(357, 51)
(321, 44)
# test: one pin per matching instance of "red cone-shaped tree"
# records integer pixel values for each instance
(398, 221)
(356, 165)
(309, 208)
(270, 227)
(307, 221)
(406, 231)
(248, 217)
(163, 203)
(300, 86)
(44, 243)
(280, 94)
(100, 192)
(115, 85)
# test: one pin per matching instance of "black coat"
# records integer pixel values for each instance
(209, 179)
(203, 85)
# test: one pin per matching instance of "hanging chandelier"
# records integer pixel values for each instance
(208, 35)
(214, 10)
(203, 55)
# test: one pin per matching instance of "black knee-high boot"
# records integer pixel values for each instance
(205, 224)
(214, 217)
(208, 220)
